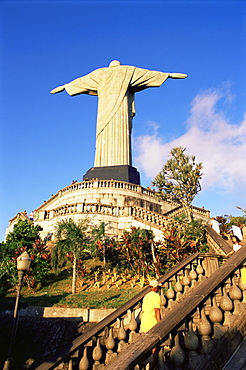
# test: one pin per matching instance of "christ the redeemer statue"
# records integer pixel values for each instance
(115, 87)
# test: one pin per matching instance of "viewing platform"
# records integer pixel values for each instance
(118, 204)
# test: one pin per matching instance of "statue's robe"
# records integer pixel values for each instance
(115, 87)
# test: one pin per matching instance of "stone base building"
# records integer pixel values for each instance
(118, 204)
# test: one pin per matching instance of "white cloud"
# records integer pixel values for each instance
(210, 136)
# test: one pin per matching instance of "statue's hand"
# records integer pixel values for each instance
(177, 75)
(57, 90)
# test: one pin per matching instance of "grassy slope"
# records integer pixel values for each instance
(58, 294)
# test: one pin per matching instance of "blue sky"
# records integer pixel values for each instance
(48, 140)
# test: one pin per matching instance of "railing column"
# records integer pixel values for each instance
(205, 329)
(84, 362)
(110, 344)
(170, 296)
(216, 316)
(226, 305)
(186, 282)
(191, 342)
(122, 346)
(133, 327)
(177, 354)
(236, 295)
(200, 270)
(97, 355)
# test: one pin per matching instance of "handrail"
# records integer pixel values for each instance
(97, 329)
(220, 245)
(180, 210)
(141, 348)
(174, 315)
(102, 329)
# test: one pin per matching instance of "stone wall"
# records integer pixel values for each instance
(118, 204)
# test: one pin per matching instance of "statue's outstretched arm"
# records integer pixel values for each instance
(57, 90)
(177, 75)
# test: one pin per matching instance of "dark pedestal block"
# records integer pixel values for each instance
(121, 173)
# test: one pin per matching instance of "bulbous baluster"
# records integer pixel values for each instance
(122, 336)
(177, 354)
(178, 287)
(97, 354)
(70, 364)
(133, 327)
(84, 362)
(161, 361)
(216, 316)
(242, 281)
(186, 282)
(193, 277)
(237, 275)
(191, 342)
(167, 345)
(110, 344)
(205, 329)
(73, 358)
(200, 271)
(170, 294)
(236, 295)
(226, 305)
(163, 303)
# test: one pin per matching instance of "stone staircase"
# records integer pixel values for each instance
(203, 320)
(200, 332)
(238, 360)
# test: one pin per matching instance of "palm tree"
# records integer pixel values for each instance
(70, 237)
(99, 237)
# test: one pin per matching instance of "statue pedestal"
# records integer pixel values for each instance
(122, 173)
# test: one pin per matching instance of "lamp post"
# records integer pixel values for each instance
(23, 264)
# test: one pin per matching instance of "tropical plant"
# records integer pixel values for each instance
(100, 242)
(243, 210)
(135, 250)
(239, 221)
(223, 224)
(24, 234)
(24, 237)
(226, 221)
(7, 271)
(104, 247)
(71, 241)
(179, 179)
(181, 238)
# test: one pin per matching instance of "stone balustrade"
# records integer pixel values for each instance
(143, 215)
(92, 184)
(95, 184)
(202, 213)
(109, 200)
(216, 243)
(103, 184)
(202, 330)
(115, 335)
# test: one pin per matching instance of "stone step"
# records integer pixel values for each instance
(238, 360)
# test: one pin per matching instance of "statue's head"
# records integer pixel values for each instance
(114, 63)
